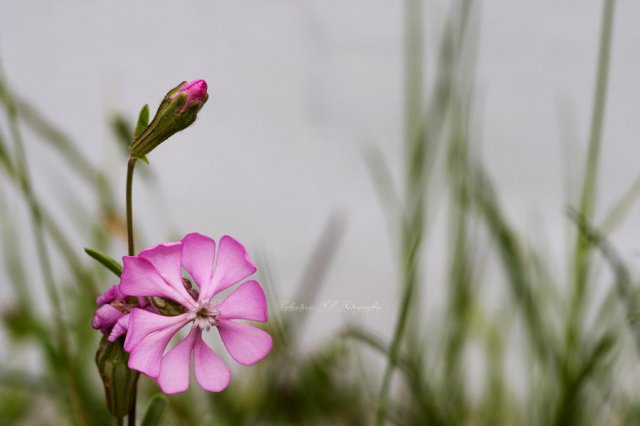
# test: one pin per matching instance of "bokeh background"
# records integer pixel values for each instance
(301, 153)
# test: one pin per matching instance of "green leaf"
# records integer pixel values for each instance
(106, 261)
(156, 411)
(122, 130)
(143, 121)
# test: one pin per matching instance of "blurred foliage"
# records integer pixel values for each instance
(549, 354)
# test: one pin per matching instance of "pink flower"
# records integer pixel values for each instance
(158, 272)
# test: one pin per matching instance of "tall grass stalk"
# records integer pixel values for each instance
(412, 229)
(424, 128)
(46, 270)
(583, 246)
(589, 185)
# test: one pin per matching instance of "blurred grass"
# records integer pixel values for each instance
(570, 352)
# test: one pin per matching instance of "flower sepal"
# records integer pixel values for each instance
(178, 110)
(166, 307)
(119, 381)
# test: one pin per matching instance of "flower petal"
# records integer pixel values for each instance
(198, 254)
(108, 296)
(105, 317)
(174, 369)
(232, 266)
(211, 372)
(140, 278)
(119, 328)
(142, 323)
(146, 355)
(247, 302)
(245, 343)
(166, 259)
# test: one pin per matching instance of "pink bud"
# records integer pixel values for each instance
(196, 92)
(105, 317)
(120, 328)
(178, 110)
(109, 296)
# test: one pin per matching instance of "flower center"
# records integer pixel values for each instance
(205, 315)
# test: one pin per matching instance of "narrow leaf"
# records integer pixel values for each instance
(122, 131)
(143, 121)
(105, 260)
(156, 411)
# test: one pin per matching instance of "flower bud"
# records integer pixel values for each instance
(119, 381)
(109, 296)
(196, 92)
(178, 110)
(112, 315)
(106, 317)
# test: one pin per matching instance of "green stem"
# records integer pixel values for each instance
(130, 167)
(410, 280)
(131, 418)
